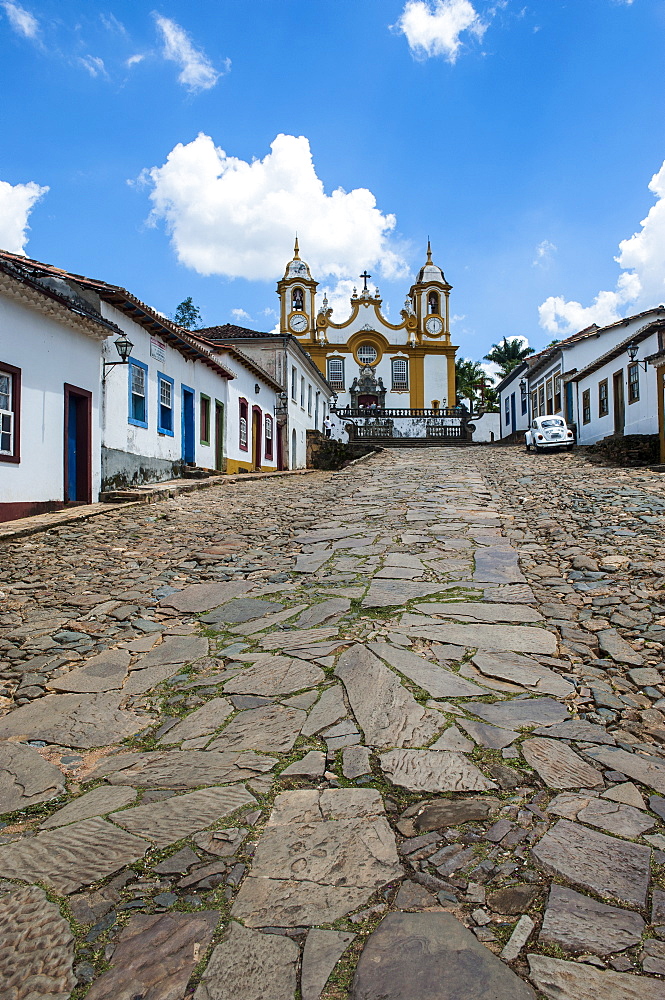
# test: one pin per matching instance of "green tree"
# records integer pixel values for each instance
(508, 354)
(187, 314)
(468, 376)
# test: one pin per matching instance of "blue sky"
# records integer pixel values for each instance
(183, 145)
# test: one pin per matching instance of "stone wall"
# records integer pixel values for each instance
(330, 454)
(627, 449)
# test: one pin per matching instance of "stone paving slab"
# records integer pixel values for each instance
(476, 611)
(647, 771)
(433, 771)
(431, 956)
(72, 856)
(530, 712)
(525, 671)
(155, 956)
(578, 923)
(182, 769)
(386, 712)
(74, 720)
(491, 638)
(605, 865)
(322, 951)
(180, 816)
(205, 596)
(36, 947)
(248, 964)
(320, 857)
(98, 802)
(200, 723)
(561, 980)
(275, 675)
(105, 672)
(26, 778)
(558, 765)
(272, 729)
(439, 683)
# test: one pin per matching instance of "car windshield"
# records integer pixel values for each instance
(552, 423)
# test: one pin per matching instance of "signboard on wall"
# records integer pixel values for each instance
(157, 350)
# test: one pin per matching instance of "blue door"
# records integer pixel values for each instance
(72, 440)
(188, 447)
(512, 411)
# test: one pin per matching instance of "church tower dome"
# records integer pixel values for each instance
(430, 297)
(297, 292)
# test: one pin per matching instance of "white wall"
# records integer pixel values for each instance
(301, 416)
(243, 387)
(487, 428)
(145, 453)
(49, 354)
(641, 416)
(521, 419)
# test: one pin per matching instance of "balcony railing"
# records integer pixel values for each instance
(393, 412)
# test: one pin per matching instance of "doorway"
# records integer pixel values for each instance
(513, 412)
(294, 450)
(78, 445)
(256, 438)
(368, 400)
(619, 403)
(219, 435)
(188, 447)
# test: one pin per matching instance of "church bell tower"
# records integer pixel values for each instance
(297, 292)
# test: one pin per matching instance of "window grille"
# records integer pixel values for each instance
(165, 415)
(367, 354)
(268, 436)
(243, 424)
(336, 372)
(557, 393)
(400, 373)
(6, 415)
(586, 406)
(138, 411)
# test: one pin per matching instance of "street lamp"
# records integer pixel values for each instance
(124, 348)
(632, 350)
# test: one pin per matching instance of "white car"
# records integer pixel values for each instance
(548, 432)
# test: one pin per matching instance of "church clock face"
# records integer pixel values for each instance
(434, 326)
(298, 324)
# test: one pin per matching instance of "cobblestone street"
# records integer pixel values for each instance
(392, 733)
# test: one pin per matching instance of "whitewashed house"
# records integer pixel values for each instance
(306, 396)
(51, 341)
(616, 393)
(514, 402)
(551, 384)
(77, 419)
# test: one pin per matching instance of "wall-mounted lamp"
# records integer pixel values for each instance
(124, 348)
(257, 388)
(523, 388)
(282, 406)
(632, 350)
(335, 397)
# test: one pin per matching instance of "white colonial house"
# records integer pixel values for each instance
(617, 393)
(306, 396)
(51, 342)
(99, 392)
(514, 402)
(552, 377)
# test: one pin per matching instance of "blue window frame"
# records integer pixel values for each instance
(507, 402)
(165, 397)
(138, 393)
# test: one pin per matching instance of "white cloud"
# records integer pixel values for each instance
(196, 70)
(135, 60)
(240, 314)
(94, 65)
(227, 216)
(434, 27)
(16, 203)
(22, 21)
(544, 254)
(111, 23)
(640, 286)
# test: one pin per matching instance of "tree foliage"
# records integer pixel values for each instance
(187, 314)
(508, 355)
(468, 375)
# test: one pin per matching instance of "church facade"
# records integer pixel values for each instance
(368, 361)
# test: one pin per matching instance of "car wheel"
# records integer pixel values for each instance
(528, 447)
(537, 448)
(569, 447)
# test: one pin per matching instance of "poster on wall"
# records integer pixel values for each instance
(157, 350)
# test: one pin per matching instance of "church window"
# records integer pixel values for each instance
(367, 354)
(243, 424)
(603, 399)
(268, 436)
(433, 302)
(294, 383)
(400, 374)
(336, 373)
(297, 300)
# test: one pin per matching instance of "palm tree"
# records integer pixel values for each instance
(508, 354)
(468, 375)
